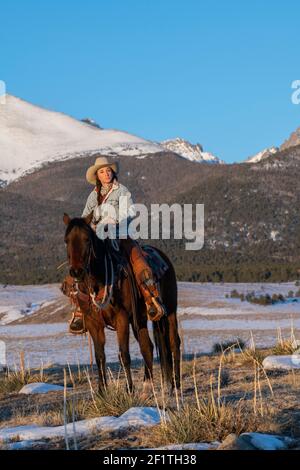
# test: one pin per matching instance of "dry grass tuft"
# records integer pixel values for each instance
(113, 402)
(252, 355)
(206, 422)
(14, 380)
(285, 346)
(228, 345)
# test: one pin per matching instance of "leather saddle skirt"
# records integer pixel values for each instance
(155, 261)
(153, 258)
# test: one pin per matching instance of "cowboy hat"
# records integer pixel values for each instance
(100, 162)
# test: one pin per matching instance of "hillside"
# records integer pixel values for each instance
(252, 222)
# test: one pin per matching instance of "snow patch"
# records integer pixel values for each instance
(137, 417)
(274, 234)
(287, 362)
(191, 446)
(40, 387)
(17, 302)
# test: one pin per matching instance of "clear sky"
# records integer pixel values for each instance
(214, 72)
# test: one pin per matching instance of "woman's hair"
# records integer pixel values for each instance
(99, 185)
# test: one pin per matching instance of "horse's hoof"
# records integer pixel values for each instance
(147, 391)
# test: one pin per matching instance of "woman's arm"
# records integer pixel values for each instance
(91, 204)
(126, 206)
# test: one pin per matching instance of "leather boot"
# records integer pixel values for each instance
(155, 307)
(76, 325)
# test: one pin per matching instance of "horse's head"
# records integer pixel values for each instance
(79, 239)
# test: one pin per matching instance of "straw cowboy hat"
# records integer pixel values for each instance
(99, 163)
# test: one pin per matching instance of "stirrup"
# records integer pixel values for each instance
(155, 309)
(77, 315)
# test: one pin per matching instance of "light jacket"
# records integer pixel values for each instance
(116, 208)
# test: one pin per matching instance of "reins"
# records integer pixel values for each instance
(91, 297)
(108, 288)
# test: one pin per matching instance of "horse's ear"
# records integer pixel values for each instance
(66, 219)
(88, 218)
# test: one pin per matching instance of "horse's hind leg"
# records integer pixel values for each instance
(123, 340)
(146, 348)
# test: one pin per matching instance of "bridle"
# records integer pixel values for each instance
(91, 297)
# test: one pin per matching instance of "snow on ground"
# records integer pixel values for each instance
(191, 446)
(210, 298)
(40, 387)
(287, 362)
(19, 301)
(48, 344)
(31, 136)
(206, 317)
(242, 324)
(134, 417)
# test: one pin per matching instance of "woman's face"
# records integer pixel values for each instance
(105, 175)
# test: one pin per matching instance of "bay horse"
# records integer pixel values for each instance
(90, 265)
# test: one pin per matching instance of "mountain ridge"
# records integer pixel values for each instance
(192, 152)
(252, 221)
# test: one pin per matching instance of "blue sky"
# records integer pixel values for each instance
(214, 72)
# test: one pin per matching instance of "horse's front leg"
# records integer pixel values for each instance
(122, 328)
(98, 336)
(146, 347)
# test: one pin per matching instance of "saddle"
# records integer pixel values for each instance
(122, 267)
(156, 262)
(153, 258)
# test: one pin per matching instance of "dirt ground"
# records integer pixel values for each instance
(272, 396)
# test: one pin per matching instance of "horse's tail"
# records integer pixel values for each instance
(162, 343)
(167, 328)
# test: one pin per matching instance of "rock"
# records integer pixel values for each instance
(233, 442)
(40, 387)
(288, 362)
(267, 441)
(256, 441)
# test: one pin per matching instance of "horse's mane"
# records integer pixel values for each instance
(80, 223)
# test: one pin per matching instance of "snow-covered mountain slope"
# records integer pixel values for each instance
(31, 136)
(266, 153)
(190, 151)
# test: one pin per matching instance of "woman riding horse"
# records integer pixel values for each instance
(104, 203)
